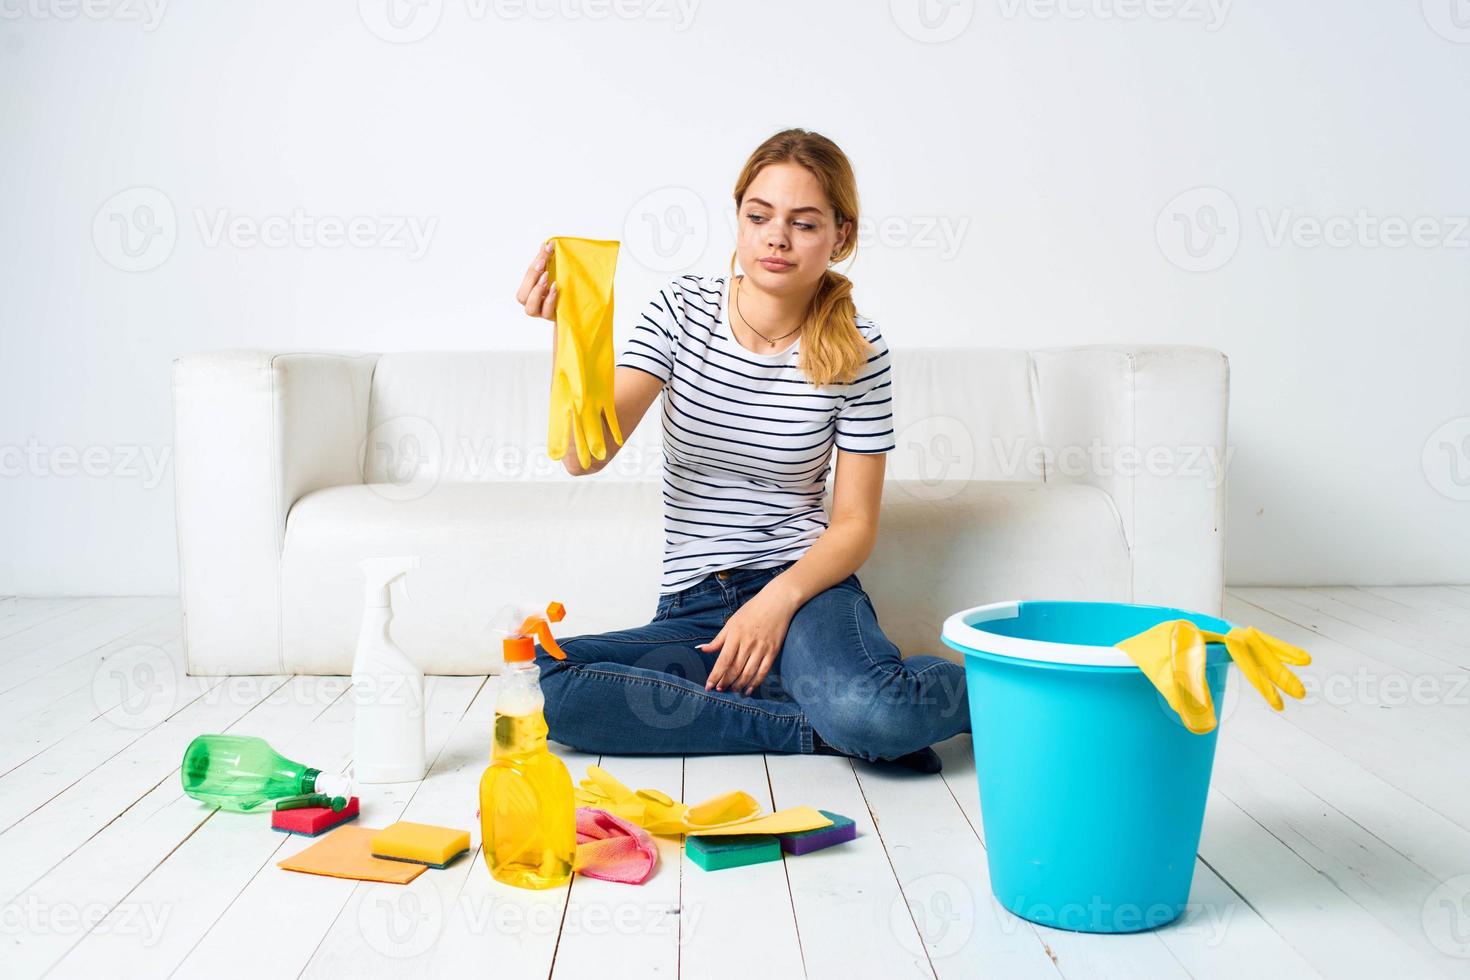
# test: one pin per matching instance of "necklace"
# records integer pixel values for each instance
(768, 340)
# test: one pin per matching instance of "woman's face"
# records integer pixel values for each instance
(787, 230)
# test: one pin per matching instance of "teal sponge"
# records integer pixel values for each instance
(720, 851)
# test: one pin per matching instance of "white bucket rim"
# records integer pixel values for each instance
(958, 631)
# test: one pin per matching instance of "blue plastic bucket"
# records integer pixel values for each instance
(1092, 791)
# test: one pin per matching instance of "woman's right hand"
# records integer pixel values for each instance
(535, 295)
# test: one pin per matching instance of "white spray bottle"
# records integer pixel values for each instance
(388, 688)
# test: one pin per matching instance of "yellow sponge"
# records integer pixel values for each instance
(420, 843)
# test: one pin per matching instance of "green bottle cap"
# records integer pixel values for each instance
(302, 801)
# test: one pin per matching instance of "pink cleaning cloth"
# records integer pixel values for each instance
(613, 849)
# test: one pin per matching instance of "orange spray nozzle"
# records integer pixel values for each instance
(521, 646)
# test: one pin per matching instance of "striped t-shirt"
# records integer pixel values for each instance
(747, 439)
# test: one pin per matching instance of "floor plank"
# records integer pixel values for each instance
(103, 873)
(86, 672)
(1380, 740)
(18, 613)
(107, 619)
(43, 715)
(1346, 605)
(736, 923)
(514, 929)
(850, 912)
(1381, 881)
(617, 930)
(1333, 830)
(296, 909)
(385, 930)
(941, 869)
(166, 693)
(1327, 928)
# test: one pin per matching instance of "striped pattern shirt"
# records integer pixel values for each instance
(747, 439)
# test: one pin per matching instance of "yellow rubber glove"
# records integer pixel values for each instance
(735, 812)
(1261, 658)
(582, 374)
(1172, 656)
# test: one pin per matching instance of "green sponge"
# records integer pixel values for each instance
(720, 851)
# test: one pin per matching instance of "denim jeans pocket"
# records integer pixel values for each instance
(667, 603)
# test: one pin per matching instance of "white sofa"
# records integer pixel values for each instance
(1074, 473)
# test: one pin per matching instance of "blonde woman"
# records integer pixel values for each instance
(763, 639)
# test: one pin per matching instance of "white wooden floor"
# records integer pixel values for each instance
(1337, 840)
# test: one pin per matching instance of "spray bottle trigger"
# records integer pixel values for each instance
(538, 625)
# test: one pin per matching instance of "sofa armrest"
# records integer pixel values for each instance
(1146, 424)
(254, 432)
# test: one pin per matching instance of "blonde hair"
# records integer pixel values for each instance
(832, 349)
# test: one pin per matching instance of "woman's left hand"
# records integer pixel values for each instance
(748, 643)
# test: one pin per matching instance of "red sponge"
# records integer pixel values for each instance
(310, 821)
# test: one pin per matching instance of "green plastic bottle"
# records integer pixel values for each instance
(240, 772)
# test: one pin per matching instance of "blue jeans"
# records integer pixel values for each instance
(641, 690)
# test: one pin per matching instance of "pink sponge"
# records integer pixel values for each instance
(310, 821)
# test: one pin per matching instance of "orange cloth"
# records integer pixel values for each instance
(347, 852)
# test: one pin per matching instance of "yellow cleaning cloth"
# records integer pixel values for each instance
(735, 812)
(347, 852)
(582, 373)
(1172, 656)
(788, 821)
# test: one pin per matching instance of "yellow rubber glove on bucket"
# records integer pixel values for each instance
(1172, 656)
(582, 373)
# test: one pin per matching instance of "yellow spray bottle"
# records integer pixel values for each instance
(528, 817)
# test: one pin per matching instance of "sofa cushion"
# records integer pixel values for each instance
(595, 545)
(959, 414)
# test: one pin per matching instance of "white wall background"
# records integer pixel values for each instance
(1047, 141)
